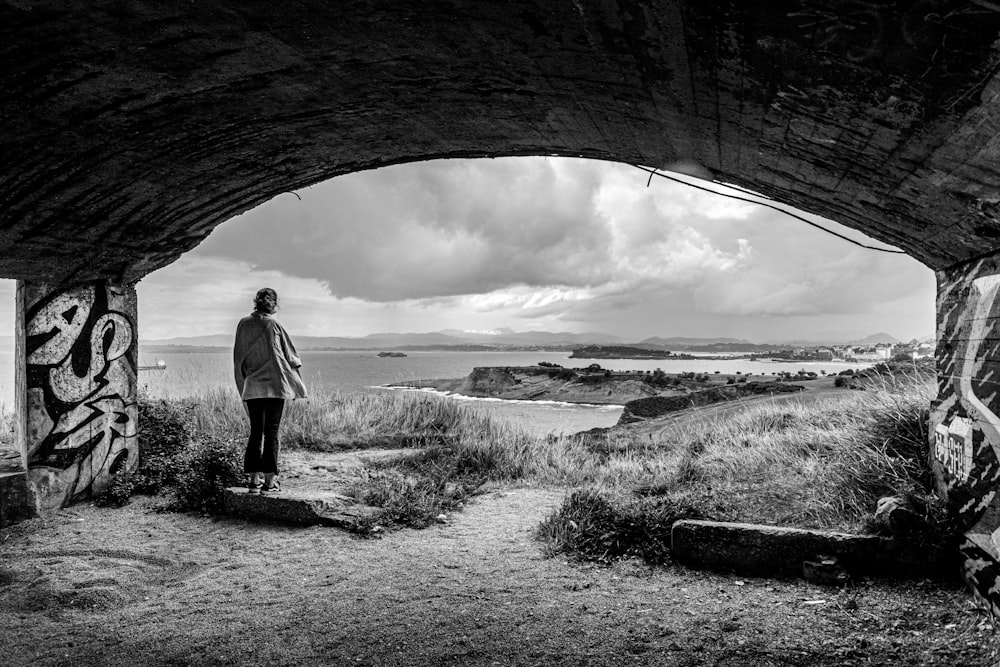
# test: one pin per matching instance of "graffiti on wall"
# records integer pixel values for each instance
(866, 31)
(953, 447)
(965, 421)
(80, 348)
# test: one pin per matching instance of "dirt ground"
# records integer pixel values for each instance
(93, 586)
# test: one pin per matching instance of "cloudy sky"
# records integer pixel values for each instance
(548, 244)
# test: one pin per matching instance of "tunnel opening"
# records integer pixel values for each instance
(142, 128)
(492, 247)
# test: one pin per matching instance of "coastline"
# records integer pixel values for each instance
(641, 396)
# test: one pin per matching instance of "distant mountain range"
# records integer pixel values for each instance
(500, 338)
(681, 342)
(876, 339)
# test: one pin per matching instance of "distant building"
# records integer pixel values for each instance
(880, 352)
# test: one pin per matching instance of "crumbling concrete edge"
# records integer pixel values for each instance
(761, 550)
(296, 509)
(18, 500)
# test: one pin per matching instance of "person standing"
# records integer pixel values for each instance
(266, 367)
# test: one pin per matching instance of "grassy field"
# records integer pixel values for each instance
(821, 463)
(472, 589)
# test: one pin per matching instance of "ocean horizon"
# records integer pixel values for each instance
(188, 374)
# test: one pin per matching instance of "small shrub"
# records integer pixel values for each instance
(658, 378)
(205, 470)
(591, 527)
(119, 492)
(415, 490)
(166, 430)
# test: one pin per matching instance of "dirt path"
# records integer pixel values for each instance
(91, 586)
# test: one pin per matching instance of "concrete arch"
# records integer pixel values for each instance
(131, 129)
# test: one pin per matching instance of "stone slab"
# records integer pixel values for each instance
(758, 550)
(324, 508)
(17, 502)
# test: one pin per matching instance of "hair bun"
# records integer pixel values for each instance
(266, 301)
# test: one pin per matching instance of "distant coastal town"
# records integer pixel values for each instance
(848, 353)
(879, 352)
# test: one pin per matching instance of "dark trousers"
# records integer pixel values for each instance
(265, 420)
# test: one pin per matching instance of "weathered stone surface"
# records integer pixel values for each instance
(17, 502)
(826, 571)
(777, 551)
(76, 377)
(132, 129)
(894, 515)
(325, 508)
(965, 416)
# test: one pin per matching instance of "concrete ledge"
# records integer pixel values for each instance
(17, 501)
(324, 508)
(751, 549)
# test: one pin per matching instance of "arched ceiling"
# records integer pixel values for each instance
(131, 128)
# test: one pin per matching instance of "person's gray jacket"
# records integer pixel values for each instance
(265, 362)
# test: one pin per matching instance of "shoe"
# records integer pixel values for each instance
(253, 483)
(273, 487)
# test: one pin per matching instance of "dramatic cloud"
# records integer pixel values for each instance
(545, 243)
(432, 229)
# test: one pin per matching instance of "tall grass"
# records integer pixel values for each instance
(331, 420)
(817, 465)
(822, 464)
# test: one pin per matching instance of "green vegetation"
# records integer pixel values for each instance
(192, 449)
(822, 464)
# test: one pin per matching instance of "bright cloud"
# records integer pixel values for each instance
(536, 243)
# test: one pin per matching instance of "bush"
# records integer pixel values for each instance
(657, 379)
(119, 492)
(176, 459)
(166, 430)
(591, 527)
(205, 470)
(415, 490)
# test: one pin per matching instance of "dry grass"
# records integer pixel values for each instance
(821, 464)
(817, 465)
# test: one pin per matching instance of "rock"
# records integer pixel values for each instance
(893, 514)
(825, 570)
(325, 508)
(779, 551)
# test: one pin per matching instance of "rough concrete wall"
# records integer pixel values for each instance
(965, 417)
(131, 128)
(79, 414)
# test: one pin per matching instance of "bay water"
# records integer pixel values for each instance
(188, 373)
